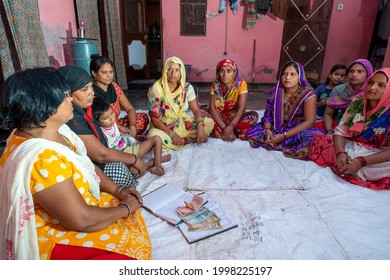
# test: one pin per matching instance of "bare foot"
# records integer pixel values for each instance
(157, 170)
(166, 158)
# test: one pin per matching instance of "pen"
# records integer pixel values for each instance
(179, 223)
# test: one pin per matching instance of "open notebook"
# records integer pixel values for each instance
(164, 201)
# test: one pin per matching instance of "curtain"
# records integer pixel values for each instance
(114, 40)
(22, 44)
(87, 11)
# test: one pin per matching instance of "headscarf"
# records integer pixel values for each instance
(163, 88)
(221, 88)
(343, 99)
(355, 122)
(279, 95)
(76, 77)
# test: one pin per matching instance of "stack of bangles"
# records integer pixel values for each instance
(118, 190)
(171, 133)
(362, 160)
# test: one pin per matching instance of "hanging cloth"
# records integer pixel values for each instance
(263, 6)
(251, 14)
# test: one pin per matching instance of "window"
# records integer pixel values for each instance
(193, 17)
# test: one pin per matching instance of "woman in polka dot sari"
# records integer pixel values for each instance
(55, 203)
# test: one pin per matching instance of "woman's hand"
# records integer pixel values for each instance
(140, 165)
(351, 166)
(201, 134)
(133, 131)
(130, 191)
(123, 129)
(268, 134)
(177, 140)
(274, 140)
(228, 133)
(342, 159)
(132, 201)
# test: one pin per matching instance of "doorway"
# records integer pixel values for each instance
(305, 34)
(142, 44)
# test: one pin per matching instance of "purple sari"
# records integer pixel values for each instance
(284, 117)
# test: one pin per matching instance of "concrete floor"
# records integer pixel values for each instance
(257, 97)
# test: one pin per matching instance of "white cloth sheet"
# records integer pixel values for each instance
(285, 208)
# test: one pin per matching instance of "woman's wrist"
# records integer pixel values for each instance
(118, 191)
(171, 133)
(362, 161)
(285, 135)
(135, 160)
(341, 153)
(128, 208)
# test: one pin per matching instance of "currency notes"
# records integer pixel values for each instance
(201, 219)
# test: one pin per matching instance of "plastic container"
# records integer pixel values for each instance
(82, 51)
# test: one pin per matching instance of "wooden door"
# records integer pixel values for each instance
(141, 48)
(305, 34)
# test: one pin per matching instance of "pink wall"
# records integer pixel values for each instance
(349, 38)
(205, 52)
(56, 18)
(350, 32)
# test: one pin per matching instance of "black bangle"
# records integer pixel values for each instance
(135, 160)
(128, 209)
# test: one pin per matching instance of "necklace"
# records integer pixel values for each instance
(25, 132)
(63, 137)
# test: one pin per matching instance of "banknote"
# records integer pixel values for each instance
(197, 216)
(213, 222)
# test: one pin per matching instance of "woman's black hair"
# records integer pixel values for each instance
(31, 96)
(99, 106)
(335, 68)
(288, 64)
(97, 61)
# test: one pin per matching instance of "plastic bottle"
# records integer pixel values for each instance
(82, 29)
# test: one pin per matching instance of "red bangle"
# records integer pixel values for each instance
(362, 160)
(342, 152)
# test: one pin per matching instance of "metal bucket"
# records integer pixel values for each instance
(82, 51)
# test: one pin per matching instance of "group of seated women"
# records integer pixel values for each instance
(67, 193)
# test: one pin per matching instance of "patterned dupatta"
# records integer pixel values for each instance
(279, 97)
(175, 112)
(344, 97)
(18, 240)
(368, 125)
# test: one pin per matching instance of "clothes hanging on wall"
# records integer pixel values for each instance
(251, 14)
(222, 7)
(263, 6)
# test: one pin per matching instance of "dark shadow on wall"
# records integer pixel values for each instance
(67, 47)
